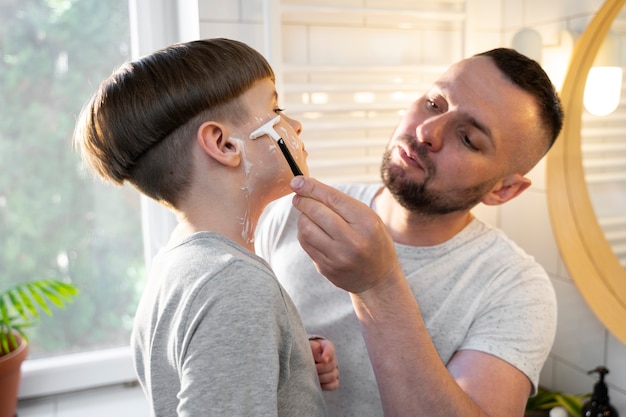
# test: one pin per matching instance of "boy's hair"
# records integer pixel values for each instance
(140, 123)
(528, 75)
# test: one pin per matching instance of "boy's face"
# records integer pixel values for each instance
(265, 164)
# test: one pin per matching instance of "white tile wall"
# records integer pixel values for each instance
(527, 222)
(581, 338)
(582, 342)
(221, 11)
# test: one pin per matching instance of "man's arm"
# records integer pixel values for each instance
(352, 248)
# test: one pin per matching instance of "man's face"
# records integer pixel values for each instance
(458, 141)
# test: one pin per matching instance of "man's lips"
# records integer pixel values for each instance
(408, 158)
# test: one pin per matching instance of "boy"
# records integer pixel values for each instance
(214, 333)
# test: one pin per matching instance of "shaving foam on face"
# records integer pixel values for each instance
(247, 225)
(293, 140)
(269, 125)
(249, 218)
(269, 130)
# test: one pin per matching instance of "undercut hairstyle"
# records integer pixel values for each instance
(140, 124)
(528, 75)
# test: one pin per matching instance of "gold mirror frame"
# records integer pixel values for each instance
(588, 256)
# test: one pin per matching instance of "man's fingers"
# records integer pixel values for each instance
(328, 254)
(347, 241)
(339, 203)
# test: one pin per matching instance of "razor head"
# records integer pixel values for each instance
(267, 129)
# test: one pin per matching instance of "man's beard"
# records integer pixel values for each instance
(418, 197)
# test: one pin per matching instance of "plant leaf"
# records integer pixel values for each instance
(8, 342)
(572, 404)
(53, 297)
(4, 342)
(20, 306)
(58, 292)
(15, 301)
(34, 292)
(26, 302)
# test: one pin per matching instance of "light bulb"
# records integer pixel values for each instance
(603, 90)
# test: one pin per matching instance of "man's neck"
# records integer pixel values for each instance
(417, 229)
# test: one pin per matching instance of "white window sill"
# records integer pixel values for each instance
(76, 372)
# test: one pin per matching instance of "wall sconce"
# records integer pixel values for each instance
(604, 82)
(553, 57)
(528, 41)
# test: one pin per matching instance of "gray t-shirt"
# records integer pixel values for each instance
(216, 335)
(478, 290)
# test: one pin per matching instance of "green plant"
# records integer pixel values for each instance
(20, 305)
(546, 400)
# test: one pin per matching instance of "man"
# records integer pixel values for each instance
(454, 317)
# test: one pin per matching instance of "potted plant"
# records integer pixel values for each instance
(545, 400)
(20, 306)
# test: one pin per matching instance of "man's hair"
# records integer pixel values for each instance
(528, 75)
(140, 123)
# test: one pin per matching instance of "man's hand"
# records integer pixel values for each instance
(347, 241)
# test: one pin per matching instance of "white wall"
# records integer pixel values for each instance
(582, 342)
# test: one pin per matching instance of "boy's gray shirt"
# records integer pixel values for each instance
(215, 334)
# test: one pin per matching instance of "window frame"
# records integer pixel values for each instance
(153, 24)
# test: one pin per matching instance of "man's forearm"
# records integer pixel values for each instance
(412, 380)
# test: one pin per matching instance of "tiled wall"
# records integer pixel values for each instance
(582, 342)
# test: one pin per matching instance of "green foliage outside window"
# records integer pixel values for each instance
(56, 221)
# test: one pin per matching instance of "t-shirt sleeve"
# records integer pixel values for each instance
(518, 324)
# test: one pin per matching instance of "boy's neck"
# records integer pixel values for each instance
(225, 217)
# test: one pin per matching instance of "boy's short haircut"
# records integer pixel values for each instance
(140, 123)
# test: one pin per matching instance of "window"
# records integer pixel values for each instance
(56, 221)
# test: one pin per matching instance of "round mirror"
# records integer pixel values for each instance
(591, 261)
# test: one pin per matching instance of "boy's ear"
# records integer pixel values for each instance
(214, 139)
(506, 189)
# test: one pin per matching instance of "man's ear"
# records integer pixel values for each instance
(506, 189)
(214, 139)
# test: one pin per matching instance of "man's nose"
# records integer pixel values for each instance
(430, 133)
